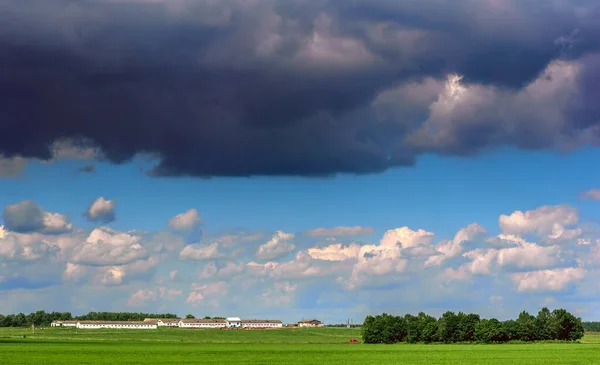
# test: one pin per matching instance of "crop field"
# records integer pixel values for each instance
(286, 346)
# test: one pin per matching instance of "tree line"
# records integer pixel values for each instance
(558, 324)
(591, 326)
(43, 318)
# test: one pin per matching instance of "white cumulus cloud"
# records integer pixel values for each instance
(278, 246)
(185, 221)
(101, 210)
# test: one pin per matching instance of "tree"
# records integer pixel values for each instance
(566, 326)
(591, 326)
(543, 325)
(372, 330)
(526, 327)
(465, 327)
(429, 333)
(396, 329)
(490, 330)
(413, 327)
(448, 327)
(511, 329)
(190, 316)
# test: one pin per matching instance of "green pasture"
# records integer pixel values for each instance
(286, 346)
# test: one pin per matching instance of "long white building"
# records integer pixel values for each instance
(164, 322)
(261, 323)
(202, 323)
(63, 324)
(134, 325)
(154, 323)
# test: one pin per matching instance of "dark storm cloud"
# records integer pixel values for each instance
(24, 217)
(28, 217)
(234, 88)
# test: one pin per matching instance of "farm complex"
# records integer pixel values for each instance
(154, 323)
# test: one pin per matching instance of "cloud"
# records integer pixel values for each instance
(550, 221)
(143, 297)
(27, 216)
(74, 272)
(592, 194)
(200, 252)
(407, 238)
(232, 269)
(200, 293)
(209, 270)
(101, 210)
(447, 249)
(340, 231)
(376, 261)
(19, 248)
(185, 221)
(303, 88)
(414, 268)
(105, 246)
(489, 261)
(10, 167)
(278, 246)
(335, 252)
(547, 280)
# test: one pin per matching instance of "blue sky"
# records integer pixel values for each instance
(297, 159)
(440, 195)
(440, 192)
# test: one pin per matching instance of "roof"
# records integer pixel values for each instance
(261, 321)
(69, 321)
(114, 322)
(202, 320)
(233, 319)
(309, 321)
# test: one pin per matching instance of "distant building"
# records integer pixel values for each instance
(310, 323)
(164, 322)
(63, 324)
(201, 323)
(261, 323)
(233, 322)
(116, 324)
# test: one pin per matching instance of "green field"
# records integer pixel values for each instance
(286, 346)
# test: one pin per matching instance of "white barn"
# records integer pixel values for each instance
(310, 323)
(63, 324)
(233, 322)
(262, 323)
(202, 323)
(116, 325)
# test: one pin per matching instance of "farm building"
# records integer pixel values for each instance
(261, 323)
(233, 322)
(202, 323)
(63, 324)
(164, 322)
(116, 324)
(310, 323)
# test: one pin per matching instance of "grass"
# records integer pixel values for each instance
(286, 346)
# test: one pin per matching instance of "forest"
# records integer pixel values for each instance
(559, 325)
(43, 318)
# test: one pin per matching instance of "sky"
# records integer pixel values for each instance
(300, 159)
